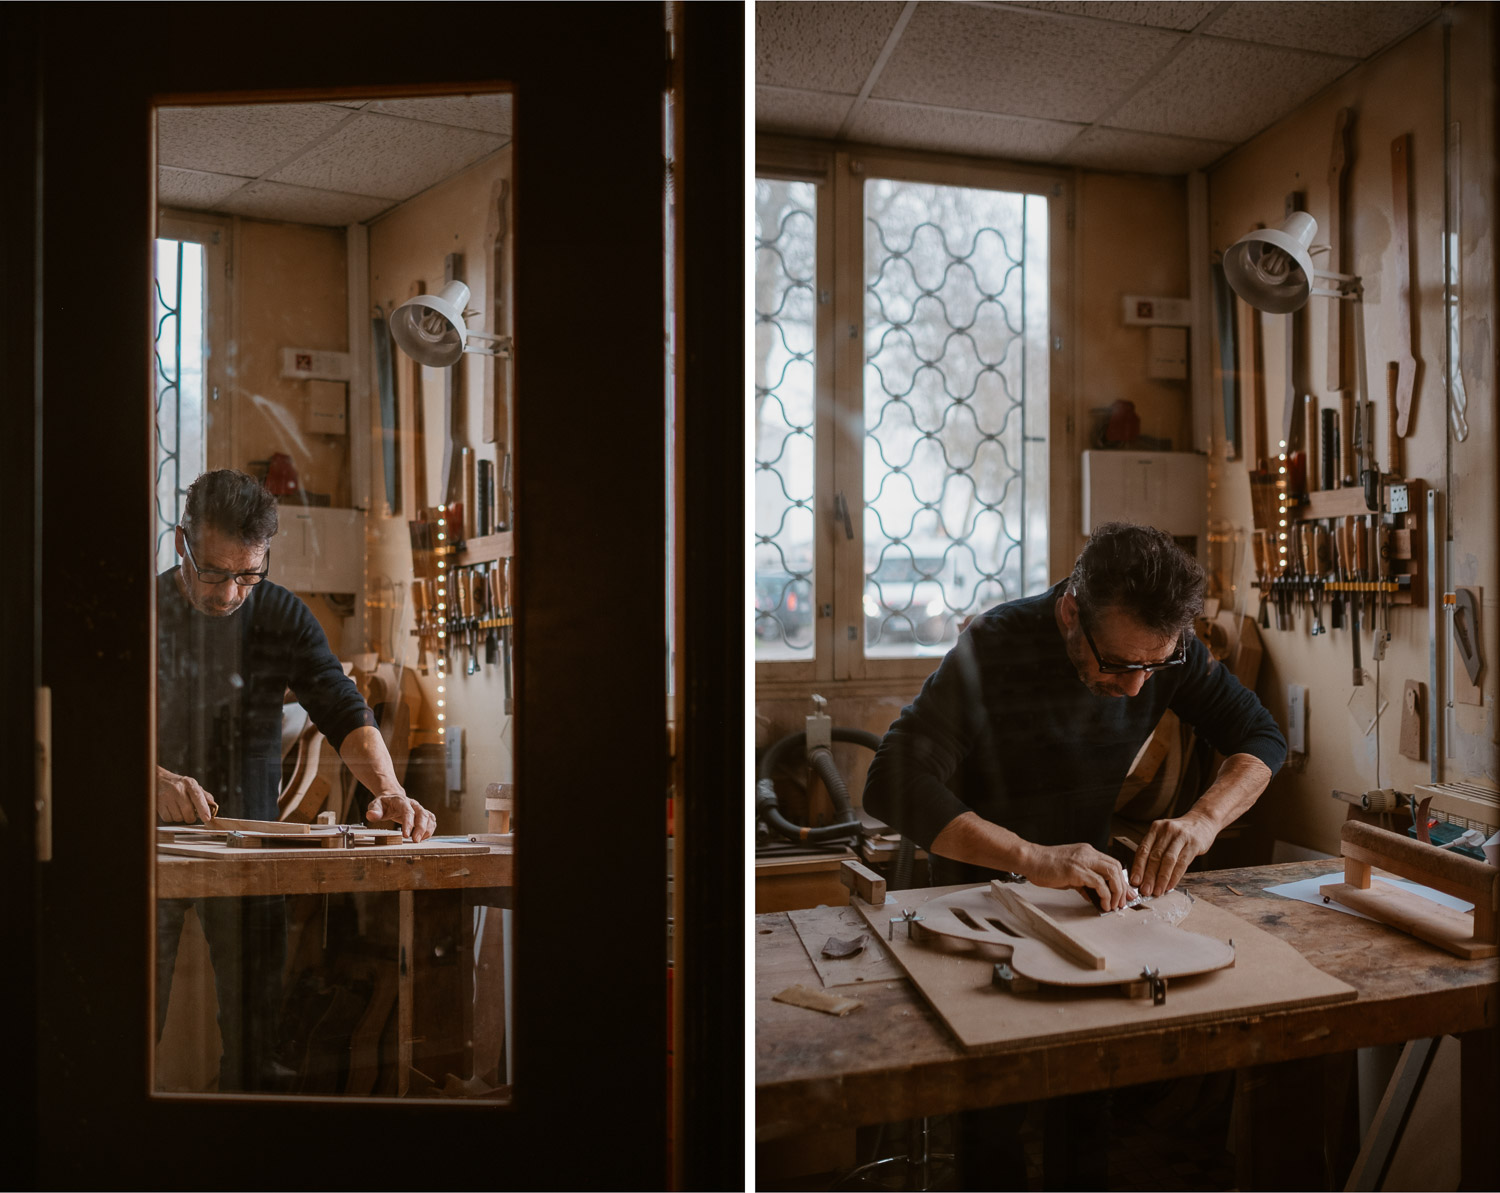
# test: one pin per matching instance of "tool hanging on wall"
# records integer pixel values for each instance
(390, 424)
(485, 514)
(1337, 163)
(450, 482)
(495, 420)
(501, 594)
(1401, 247)
(484, 592)
(418, 437)
(1229, 378)
(1292, 353)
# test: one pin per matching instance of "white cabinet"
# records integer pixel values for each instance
(1168, 490)
(319, 549)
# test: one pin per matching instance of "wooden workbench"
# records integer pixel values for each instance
(894, 1059)
(383, 868)
(486, 878)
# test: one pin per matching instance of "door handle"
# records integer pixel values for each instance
(841, 512)
(44, 774)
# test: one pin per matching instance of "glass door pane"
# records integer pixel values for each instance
(334, 538)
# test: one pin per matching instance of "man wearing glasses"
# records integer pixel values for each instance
(1012, 756)
(230, 644)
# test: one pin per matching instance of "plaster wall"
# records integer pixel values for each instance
(1401, 92)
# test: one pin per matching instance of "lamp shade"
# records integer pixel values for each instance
(1271, 268)
(430, 329)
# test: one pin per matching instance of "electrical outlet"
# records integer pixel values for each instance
(1296, 718)
(1142, 310)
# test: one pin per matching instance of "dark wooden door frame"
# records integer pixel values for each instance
(591, 1036)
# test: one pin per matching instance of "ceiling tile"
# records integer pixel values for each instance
(243, 139)
(1221, 90)
(1171, 14)
(387, 157)
(487, 113)
(820, 47)
(803, 113)
(1356, 30)
(1146, 153)
(910, 126)
(193, 188)
(301, 205)
(1021, 64)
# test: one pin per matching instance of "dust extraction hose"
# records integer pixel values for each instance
(766, 803)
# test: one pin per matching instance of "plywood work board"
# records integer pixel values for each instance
(1268, 975)
(816, 925)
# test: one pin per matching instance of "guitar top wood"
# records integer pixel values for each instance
(1126, 941)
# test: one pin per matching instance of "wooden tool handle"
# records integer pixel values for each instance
(1442, 869)
(1044, 928)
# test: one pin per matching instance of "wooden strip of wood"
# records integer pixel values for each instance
(862, 881)
(226, 824)
(1043, 927)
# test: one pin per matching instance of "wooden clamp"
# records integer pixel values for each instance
(1044, 928)
(862, 881)
(1365, 846)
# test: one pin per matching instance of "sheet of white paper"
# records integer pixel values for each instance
(1307, 892)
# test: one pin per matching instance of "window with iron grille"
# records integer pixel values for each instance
(903, 339)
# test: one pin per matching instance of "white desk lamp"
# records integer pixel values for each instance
(1272, 270)
(430, 329)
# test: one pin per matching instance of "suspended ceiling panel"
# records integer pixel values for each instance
(336, 163)
(1105, 84)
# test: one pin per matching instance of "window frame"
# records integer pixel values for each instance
(838, 568)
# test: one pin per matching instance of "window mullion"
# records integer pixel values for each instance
(847, 432)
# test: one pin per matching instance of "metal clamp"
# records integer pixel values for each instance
(907, 917)
(1156, 984)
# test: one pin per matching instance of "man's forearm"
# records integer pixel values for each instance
(1239, 784)
(364, 753)
(980, 842)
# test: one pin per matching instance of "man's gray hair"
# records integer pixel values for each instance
(234, 503)
(1142, 571)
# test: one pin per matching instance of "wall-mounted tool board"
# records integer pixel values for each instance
(1268, 975)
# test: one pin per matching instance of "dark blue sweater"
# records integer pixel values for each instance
(220, 682)
(1005, 728)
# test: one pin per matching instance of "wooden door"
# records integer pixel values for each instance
(591, 1040)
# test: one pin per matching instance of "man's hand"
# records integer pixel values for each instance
(1079, 866)
(181, 800)
(1169, 846)
(414, 820)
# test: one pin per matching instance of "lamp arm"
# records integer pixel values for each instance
(489, 345)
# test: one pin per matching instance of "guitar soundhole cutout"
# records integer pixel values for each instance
(1003, 928)
(967, 920)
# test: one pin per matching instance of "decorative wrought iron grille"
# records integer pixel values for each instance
(179, 384)
(785, 374)
(955, 376)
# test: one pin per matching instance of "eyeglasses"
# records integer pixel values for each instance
(216, 576)
(1177, 660)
